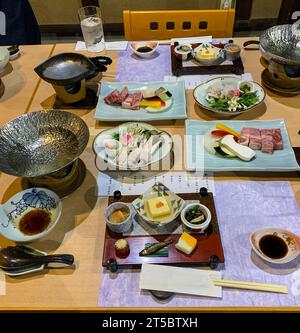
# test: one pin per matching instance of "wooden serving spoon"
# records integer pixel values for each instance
(15, 257)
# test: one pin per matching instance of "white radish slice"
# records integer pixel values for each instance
(101, 141)
(111, 153)
(111, 144)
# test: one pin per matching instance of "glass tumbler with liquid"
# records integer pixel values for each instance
(92, 28)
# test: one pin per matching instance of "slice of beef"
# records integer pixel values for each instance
(112, 97)
(245, 136)
(266, 133)
(255, 143)
(137, 97)
(126, 104)
(277, 139)
(123, 95)
(267, 145)
(255, 139)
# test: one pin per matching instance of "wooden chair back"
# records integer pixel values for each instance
(166, 24)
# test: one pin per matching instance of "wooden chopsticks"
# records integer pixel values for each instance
(274, 288)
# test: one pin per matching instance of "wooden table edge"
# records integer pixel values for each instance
(231, 309)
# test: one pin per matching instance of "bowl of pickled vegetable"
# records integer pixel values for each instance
(196, 217)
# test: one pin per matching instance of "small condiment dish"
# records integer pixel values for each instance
(175, 203)
(4, 58)
(232, 51)
(246, 86)
(12, 212)
(183, 51)
(121, 226)
(218, 55)
(143, 49)
(289, 241)
(199, 227)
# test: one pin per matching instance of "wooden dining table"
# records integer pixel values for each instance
(81, 229)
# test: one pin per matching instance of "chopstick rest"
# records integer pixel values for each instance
(274, 288)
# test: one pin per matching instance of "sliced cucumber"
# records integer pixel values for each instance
(227, 151)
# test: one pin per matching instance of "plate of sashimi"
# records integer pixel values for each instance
(132, 146)
(143, 101)
(240, 145)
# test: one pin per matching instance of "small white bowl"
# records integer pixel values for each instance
(4, 57)
(201, 227)
(292, 241)
(232, 55)
(183, 55)
(136, 45)
(21, 203)
(249, 84)
(118, 227)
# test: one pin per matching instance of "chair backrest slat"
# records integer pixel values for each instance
(166, 24)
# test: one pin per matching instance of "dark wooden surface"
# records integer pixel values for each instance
(286, 10)
(243, 9)
(209, 244)
(177, 69)
(90, 3)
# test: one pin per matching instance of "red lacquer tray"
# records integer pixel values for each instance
(178, 69)
(209, 250)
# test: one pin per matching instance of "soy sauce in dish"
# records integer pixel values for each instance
(35, 222)
(273, 246)
(144, 49)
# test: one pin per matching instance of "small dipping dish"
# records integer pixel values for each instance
(143, 49)
(246, 86)
(118, 217)
(197, 226)
(277, 246)
(183, 51)
(232, 51)
(30, 214)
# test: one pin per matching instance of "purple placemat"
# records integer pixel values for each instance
(133, 68)
(242, 207)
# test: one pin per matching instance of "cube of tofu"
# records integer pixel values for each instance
(158, 207)
(186, 243)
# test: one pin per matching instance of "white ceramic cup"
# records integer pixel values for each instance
(118, 227)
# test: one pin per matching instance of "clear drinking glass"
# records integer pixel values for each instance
(92, 28)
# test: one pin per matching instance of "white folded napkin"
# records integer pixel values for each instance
(193, 40)
(180, 280)
(109, 46)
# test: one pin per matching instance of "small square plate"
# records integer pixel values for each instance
(159, 190)
(280, 160)
(176, 110)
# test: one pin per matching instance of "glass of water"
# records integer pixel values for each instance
(92, 28)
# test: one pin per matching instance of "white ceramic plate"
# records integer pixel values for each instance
(200, 93)
(160, 153)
